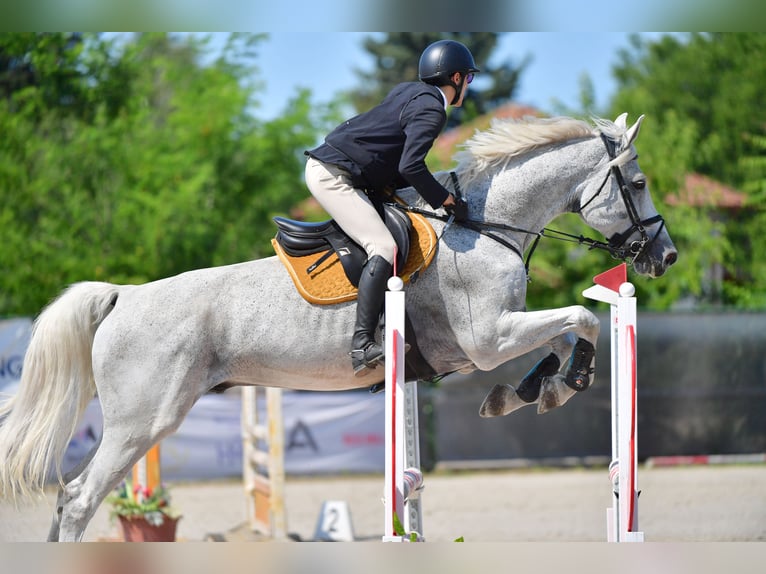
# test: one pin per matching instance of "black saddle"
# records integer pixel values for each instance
(299, 238)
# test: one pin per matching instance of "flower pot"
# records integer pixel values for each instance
(137, 529)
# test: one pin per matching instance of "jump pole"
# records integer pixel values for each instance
(622, 517)
(403, 478)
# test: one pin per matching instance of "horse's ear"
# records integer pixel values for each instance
(622, 121)
(632, 133)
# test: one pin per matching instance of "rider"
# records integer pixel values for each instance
(376, 152)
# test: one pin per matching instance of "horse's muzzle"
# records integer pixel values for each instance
(656, 260)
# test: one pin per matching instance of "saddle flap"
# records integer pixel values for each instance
(328, 280)
(400, 226)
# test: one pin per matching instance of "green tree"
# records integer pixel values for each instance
(712, 79)
(40, 70)
(397, 54)
(161, 168)
(704, 98)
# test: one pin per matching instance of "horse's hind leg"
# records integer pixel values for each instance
(80, 498)
(53, 534)
(130, 430)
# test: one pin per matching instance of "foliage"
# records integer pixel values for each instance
(750, 239)
(397, 54)
(703, 95)
(399, 530)
(135, 501)
(712, 80)
(127, 159)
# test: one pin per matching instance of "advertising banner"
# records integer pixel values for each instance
(325, 433)
(14, 338)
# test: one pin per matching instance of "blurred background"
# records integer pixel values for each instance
(128, 157)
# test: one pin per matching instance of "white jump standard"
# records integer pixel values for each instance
(612, 287)
(404, 480)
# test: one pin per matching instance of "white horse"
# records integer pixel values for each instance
(149, 352)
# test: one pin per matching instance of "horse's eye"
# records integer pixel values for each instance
(639, 183)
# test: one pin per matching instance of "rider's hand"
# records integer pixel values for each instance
(457, 207)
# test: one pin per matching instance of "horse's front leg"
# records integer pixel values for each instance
(571, 333)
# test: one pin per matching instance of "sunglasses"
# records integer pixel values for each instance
(469, 78)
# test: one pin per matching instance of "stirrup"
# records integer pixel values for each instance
(366, 358)
(379, 387)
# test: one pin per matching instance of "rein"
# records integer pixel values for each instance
(615, 245)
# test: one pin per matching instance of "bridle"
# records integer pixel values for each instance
(615, 245)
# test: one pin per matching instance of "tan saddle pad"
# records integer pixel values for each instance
(328, 283)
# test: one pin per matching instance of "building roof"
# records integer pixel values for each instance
(698, 190)
(702, 191)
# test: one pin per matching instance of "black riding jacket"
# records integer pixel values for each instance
(385, 148)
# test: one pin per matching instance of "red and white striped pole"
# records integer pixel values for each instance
(612, 287)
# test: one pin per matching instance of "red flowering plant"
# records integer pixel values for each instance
(136, 501)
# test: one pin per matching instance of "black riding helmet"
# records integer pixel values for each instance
(440, 60)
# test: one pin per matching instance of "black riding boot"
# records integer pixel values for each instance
(365, 351)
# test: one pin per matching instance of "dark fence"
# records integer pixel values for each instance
(701, 390)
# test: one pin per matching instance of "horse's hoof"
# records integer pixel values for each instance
(554, 392)
(501, 400)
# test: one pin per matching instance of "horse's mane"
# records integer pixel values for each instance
(509, 138)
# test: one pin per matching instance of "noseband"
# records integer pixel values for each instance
(616, 244)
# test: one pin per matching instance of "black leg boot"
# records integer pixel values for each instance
(366, 353)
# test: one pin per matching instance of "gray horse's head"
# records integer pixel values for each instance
(620, 206)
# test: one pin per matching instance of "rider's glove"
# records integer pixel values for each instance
(459, 210)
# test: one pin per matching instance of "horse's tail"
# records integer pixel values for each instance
(56, 386)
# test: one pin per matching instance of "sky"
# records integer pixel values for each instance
(325, 63)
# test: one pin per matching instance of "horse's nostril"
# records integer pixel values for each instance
(671, 258)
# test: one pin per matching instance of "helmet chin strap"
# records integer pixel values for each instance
(458, 89)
